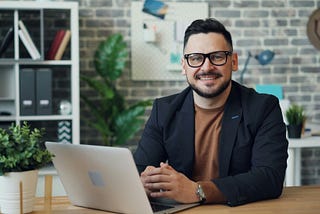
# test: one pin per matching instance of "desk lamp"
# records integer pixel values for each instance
(265, 57)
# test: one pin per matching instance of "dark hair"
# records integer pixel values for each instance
(208, 25)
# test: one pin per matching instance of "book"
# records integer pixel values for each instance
(26, 44)
(55, 44)
(62, 47)
(27, 36)
(8, 38)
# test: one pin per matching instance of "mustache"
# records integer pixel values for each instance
(211, 73)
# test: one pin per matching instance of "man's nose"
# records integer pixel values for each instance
(207, 64)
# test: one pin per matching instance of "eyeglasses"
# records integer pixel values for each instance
(217, 58)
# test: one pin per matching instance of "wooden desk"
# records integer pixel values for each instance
(294, 200)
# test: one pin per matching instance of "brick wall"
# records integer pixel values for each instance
(279, 25)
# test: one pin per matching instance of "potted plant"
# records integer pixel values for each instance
(22, 153)
(113, 117)
(296, 118)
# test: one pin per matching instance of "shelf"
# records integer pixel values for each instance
(34, 62)
(37, 5)
(32, 90)
(10, 99)
(304, 142)
(46, 117)
(7, 118)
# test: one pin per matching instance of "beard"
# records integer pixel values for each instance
(213, 94)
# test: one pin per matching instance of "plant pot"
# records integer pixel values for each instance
(10, 191)
(294, 131)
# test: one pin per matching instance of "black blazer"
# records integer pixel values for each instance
(252, 147)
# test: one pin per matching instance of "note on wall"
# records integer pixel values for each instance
(157, 43)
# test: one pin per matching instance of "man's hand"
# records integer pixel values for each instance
(164, 181)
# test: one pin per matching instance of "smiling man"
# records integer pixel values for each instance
(216, 141)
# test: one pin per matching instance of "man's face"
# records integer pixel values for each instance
(209, 80)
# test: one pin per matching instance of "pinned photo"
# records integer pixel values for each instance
(156, 8)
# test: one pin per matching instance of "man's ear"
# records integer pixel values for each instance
(234, 62)
(183, 66)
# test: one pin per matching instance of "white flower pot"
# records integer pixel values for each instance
(10, 191)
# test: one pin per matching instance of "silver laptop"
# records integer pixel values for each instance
(105, 178)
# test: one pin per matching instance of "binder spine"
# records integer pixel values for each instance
(27, 92)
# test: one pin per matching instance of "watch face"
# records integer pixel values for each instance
(65, 107)
(200, 193)
(313, 28)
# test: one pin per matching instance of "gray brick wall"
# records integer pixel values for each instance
(279, 25)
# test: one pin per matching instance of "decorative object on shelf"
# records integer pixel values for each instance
(22, 153)
(296, 118)
(65, 107)
(64, 132)
(313, 28)
(114, 118)
(264, 58)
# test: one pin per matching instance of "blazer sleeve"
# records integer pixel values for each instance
(150, 150)
(261, 146)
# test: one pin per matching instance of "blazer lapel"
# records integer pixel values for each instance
(179, 125)
(230, 122)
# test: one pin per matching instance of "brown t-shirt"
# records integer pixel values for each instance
(206, 167)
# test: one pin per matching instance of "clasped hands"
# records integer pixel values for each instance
(164, 181)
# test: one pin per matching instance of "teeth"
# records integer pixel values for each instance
(207, 78)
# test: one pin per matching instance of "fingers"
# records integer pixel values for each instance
(157, 179)
(165, 166)
(164, 181)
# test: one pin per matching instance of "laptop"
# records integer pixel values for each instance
(105, 178)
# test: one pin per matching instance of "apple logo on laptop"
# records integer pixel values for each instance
(96, 178)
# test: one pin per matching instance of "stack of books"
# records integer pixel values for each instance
(59, 45)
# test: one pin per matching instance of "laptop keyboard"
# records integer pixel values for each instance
(159, 207)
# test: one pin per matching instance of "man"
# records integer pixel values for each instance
(216, 141)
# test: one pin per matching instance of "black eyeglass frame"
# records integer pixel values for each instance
(227, 53)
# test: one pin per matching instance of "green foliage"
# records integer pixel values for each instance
(295, 115)
(21, 149)
(114, 119)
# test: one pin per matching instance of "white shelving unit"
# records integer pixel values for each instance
(10, 66)
(42, 20)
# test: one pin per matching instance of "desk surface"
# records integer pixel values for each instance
(304, 142)
(294, 200)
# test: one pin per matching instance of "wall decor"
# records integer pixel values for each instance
(157, 43)
(313, 28)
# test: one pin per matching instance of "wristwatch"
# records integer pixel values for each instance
(200, 194)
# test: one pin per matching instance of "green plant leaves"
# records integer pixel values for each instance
(110, 57)
(114, 119)
(128, 122)
(20, 149)
(295, 115)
